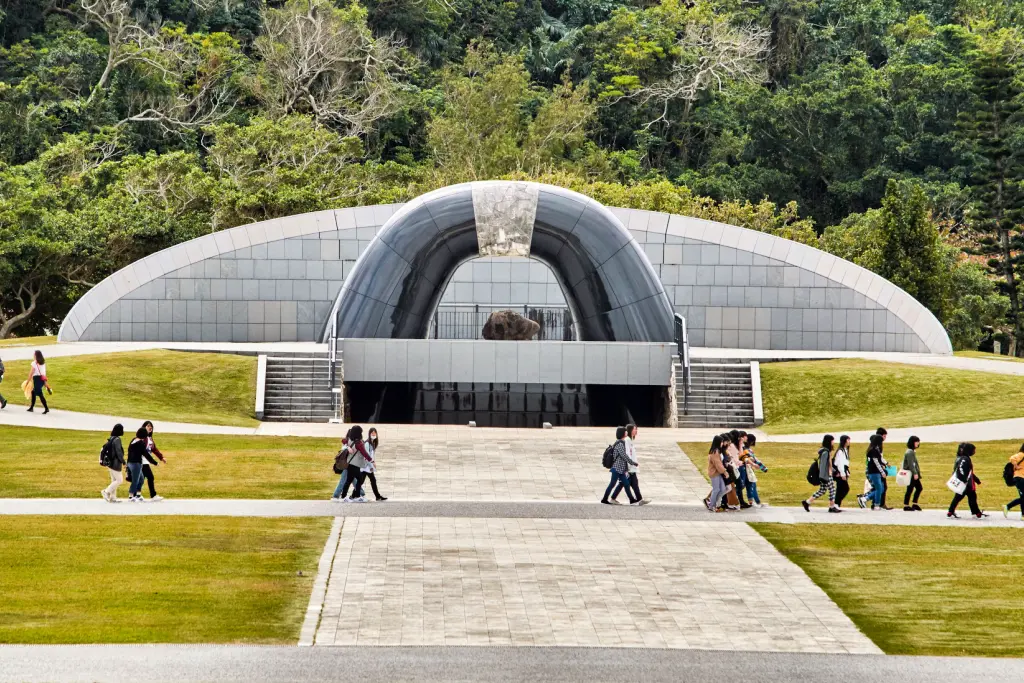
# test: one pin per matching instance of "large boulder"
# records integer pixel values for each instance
(509, 326)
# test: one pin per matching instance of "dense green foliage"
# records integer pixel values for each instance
(891, 128)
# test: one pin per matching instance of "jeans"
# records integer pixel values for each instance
(341, 485)
(752, 492)
(877, 489)
(37, 390)
(717, 491)
(1019, 483)
(115, 480)
(135, 471)
(634, 483)
(972, 499)
(915, 486)
(623, 480)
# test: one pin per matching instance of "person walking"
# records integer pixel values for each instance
(37, 375)
(147, 471)
(841, 469)
(1018, 481)
(620, 466)
(370, 468)
(910, 464)
(751, 464)
(826, 483)
(3, 401)
(716, 473)
(884, 433)
(631, 433)
(346, 446)
(876, 474)
(963, 471)
(114, 464)
(358, 457)
(137, 454)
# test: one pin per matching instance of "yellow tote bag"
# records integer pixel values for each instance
(26, 387)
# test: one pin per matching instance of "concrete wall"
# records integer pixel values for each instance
(539, 362)
(277, 280)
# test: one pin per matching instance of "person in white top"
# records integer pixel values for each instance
(37, 375)
(634, 483)
(841, 469)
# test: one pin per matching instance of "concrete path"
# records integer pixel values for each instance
(18, 416)
(509, 509)
(258, 664)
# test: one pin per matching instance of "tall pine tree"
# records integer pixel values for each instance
(995, 128)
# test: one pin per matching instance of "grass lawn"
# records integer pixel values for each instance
(785, 482)
(57, 463)
(27, 341)
(917, 591)
(847, 395)
(210, 388)
(984, 355)
(156, 579)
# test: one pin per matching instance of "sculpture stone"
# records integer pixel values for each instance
(509, 326)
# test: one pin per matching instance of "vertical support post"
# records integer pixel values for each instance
(261, 385)
(755, 390)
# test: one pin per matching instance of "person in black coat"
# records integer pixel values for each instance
(963, 470)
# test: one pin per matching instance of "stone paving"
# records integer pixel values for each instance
(556, 582)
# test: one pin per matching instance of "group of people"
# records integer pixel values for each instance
(37, 379)
(139, 463)
(732, 470)
(623, 466)
(356, 462)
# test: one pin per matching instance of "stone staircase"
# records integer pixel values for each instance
(298, 388)
(721, 394)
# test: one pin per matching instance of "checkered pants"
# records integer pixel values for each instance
(828, 487)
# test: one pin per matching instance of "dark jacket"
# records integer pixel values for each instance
(910, 462)
(824, 465)
(964, 471)
(876, 463)
(116, 453)
(137, 452)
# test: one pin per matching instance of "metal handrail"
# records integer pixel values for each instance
(332, 356)
(682, 339)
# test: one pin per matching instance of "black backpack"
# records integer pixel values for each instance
(608, 459)
(341, 461)
(1008, 474)
(813, 476)
(107, 454)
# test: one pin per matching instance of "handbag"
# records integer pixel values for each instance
(904, 477)
(890, 471)
(956, 486)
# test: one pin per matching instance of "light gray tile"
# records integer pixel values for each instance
(528, 362)
(418, 360)
(506, 360)
(484, 363)
(638, 364)
(595, 363)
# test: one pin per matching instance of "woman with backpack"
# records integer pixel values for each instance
(826, 484)
(37, 376)
(114, 463)
(963, 472)
(910, 465)
(1017, 479)
(358, 457)
(137, 454)
(147, 471)
(876, 475)
(619, 468)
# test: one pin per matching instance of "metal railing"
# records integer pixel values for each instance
(332, 357)
(467, 322)
(682, 340)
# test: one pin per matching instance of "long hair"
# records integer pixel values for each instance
(629, 429)
(966, 450)
(39, 357)
(356, 433)
(716, 445)
(118, 430)
(826, 442)
(147, 423)
(844, 441)
(372, 437)
(875, 444)
(734, 436)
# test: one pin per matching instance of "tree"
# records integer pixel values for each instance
(323, 60)
(994, 128)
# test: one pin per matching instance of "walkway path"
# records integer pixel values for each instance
(256, 664)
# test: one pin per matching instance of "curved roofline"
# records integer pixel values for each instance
(916, 316)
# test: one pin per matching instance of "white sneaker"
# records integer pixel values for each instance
(335, 500)
(106, 496)
(133, 499)
(345, 500)
(114, 500)
(156, 499)
(360, 499)
(140, 499)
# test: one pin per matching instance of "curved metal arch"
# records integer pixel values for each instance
(610, 286)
